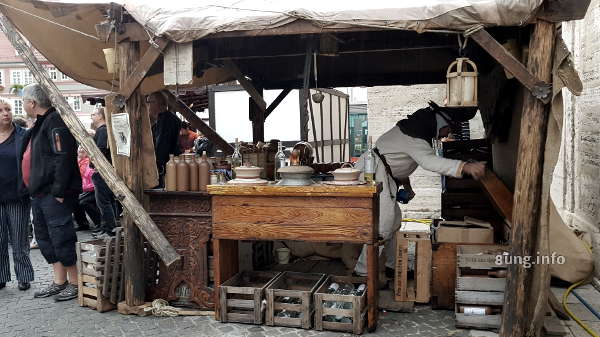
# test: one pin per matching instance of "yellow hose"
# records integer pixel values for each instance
(566, 307)
(425, 221)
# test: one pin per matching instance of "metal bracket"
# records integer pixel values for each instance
(542, 90)
(119, 101)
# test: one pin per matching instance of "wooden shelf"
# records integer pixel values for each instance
(316, 190)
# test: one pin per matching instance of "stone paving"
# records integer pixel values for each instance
(22, 315)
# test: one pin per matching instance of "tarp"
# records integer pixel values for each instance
(64, 31)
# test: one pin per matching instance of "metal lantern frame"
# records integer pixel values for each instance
(459, 78)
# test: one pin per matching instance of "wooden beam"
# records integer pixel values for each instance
(137, 74)
(523, 291)
(257, 116)
(133, 257)
(538, 88)
(500, 196)
(246, 84)
(154, 236)
(276, 102)
(197, 123)
(563, 10)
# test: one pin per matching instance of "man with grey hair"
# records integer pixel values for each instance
(49, 173)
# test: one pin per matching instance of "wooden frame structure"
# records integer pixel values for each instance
(363, 56)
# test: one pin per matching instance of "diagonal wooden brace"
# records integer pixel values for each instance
(141, 69)
(276, 102)
(246, 84)
(148, 228)
(539, 89)
(197, 123)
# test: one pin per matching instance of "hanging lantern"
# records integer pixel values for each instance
(461, 88)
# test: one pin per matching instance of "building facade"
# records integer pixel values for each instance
(14, 74)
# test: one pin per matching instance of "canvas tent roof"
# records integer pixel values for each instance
(64, 31)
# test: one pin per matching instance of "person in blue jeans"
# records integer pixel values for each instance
(14, 209)
(50, 175)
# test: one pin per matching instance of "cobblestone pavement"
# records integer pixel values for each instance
(22, 315)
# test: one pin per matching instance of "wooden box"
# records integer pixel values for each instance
(480, 282)
(417, 288)
(242, 295)
(357, 310)
(299, 287)
(99, 268)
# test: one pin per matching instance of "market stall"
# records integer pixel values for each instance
(292, 48)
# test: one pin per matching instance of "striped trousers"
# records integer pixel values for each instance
(14, 223)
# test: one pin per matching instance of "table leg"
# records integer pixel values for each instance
(226, 265)
(372, 286)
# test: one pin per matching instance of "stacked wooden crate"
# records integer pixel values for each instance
(100, 271)
(416, 288)
(352, 307)
(242, 296)
(480, 283)
(292, 292)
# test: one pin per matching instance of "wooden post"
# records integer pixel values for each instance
(257, 116)
(518, 314)
(154, 236)
(133, 173)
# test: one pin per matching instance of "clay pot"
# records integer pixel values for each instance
(346, 173)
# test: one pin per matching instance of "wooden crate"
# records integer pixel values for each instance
(474, 285)
(416, 289)
(100, 270)
(300, 286)
(242, 295)
(357, 312)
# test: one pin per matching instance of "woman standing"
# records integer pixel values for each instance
(14, 209)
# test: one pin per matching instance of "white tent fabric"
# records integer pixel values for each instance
(55, 27)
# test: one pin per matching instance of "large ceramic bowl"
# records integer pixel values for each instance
(296, 176)
(247, 172)
(346, 173)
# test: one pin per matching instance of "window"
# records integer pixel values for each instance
(64, 77)
(27, 77)
(53, 73)
(74, 102)
(18, 107)
(15, 77)
(1, 77)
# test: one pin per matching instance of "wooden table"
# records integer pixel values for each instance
(319, 213)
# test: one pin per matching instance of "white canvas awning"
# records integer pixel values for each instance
(64, 31)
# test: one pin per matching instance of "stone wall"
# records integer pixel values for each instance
(387, 105)
(576, 189)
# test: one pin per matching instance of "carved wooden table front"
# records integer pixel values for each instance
(185, 220)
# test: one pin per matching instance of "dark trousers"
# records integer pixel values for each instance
(14, 224)
(105, 201)
(87, 205)
(54, 229)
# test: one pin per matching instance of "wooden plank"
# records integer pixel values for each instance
(480, 297)
(540, 88)
(199, 124)
(483, 283)
(244, 82)
(478, 322)
(401, 279)
(557, 307)
(92, 292)
(554, 327)
(423, 271)
(248, 304)
(372, 286)
(257, 115)
(139, 70)
(526, 288)
(277, 101)
(108, 267)
(226, 265)
(241, 318)
(303, 232)
(500, 196)
(117, 272)
(297, 202)
(293, 216)
(317, 190)
(88, 279)
(127, 199)
(563, 10)
(443, 276)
